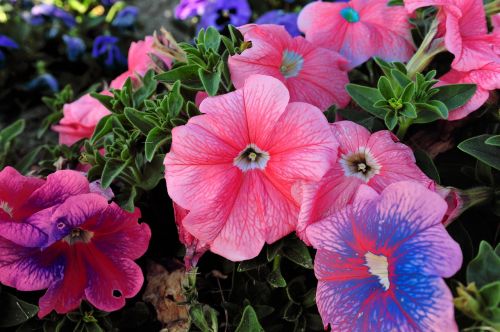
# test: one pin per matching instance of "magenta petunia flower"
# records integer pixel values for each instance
(359, 29)
(89, 256)
(380, 262)
(376, 160)
(463, 25)
(312, 74)
(140, 61)
(235, 166)
(22, 197)
(486, 78)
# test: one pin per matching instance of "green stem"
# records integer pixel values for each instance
(492, 8)
(424, 56)
(276, 262)
(403, 128)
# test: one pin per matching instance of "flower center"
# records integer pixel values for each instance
(291, 64)
(378, 266)
(78, 235)
(360, 164)
(6, 208)
(251, 158)
(350, 14)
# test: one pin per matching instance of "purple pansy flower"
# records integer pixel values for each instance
(43, 81)
(280, 17)
(40, 12)
(190, 8)
(126, 17)
(220, 13)
(74, 47)
(380, 262)
(107, 45)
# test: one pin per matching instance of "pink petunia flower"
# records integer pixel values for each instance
(80, 119)
(463, 25)
(91, 256)
(376, 160)
(486, 78)
(359, 29)
(22, 197)
(234, 167)
(194, 248)
(140, 61)
(380, 262)
(314, 75)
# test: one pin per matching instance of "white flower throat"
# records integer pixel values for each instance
(360, 164)
(251, 157)
(378, 266)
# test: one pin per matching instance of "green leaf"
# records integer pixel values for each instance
(275, 278)
(385, 88)
(111, 171)
(15, 311)
(104, 127)
(175, 100)
(477, 147)
(210, 80)
(441, 108)
(293, 311)
(408, 92)
(249, 321)
(93, 327)
(138, 120)
(485, 267)
(401, 78)
(366, 97)
(491, 294)
(186, 74)
(212, 39)
(409, 111)
(426, 164)
(391, 120)
(455, 95)
(155, 139)
(103, 99)
(10, 132)
(296, 251)
(197, 314)
(273, 249)
(494, 140)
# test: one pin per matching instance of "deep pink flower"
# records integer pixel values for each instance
(235, 166)
(486, 79)
(463, 25)
(21, 197)
(314, 75)
(359, 29)
(200, 96)
(80, 119)
(380, 262)
(376, 160)
(194, 248)
(140, 61)
(90, 256)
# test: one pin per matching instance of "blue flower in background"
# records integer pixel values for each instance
(107, 45)
(42, 82)
(6, 42)
(108, 3)
(190, 8)
(126, 17)
(280, 17)
(220, 13)
(40, 12)
(74, 47)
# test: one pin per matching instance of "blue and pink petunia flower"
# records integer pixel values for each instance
(380, 262)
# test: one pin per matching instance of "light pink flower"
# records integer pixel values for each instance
(200, 96)
(376, 160)
(463, 25)
(139, 61)
(359, 29)
(80, 119)
(235, 166)
(486, 79)
(314, 75)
